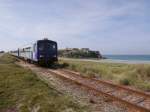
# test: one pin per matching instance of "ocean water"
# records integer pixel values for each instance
(129, 57)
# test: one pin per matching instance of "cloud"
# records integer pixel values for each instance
(106, 25)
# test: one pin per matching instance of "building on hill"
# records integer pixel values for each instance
(85, 50)
(79, 53)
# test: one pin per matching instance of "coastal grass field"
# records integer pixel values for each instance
(137, 75)
(21, 90)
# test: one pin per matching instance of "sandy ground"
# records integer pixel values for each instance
(109, 61)
(80, 94)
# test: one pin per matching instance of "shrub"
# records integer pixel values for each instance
(125, 81)
(90, 74)
(137, 75)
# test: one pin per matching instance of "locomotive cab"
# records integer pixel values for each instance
(47, 51)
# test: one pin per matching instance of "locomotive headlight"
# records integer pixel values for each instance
(41, 56)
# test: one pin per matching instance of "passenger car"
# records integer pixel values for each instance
(42, 52)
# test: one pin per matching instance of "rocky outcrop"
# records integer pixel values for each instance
(79, 53)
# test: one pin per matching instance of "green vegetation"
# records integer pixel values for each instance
(134, 75)
(22, 90)
(79, 53)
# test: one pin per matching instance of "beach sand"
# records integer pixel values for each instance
(110, 61)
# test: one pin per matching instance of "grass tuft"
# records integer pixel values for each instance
(22, 89)
(125, 82)
(134, 75)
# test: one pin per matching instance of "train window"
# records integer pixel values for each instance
(34, 47)
(51, 46)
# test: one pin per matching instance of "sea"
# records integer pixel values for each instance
(128, 57)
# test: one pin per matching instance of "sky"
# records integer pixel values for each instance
(110, 26)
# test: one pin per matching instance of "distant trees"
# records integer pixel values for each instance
(79, 53)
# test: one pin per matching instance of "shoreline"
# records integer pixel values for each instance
(125, 61)
(111, 61)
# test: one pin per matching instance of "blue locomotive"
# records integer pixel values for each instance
(42, 52)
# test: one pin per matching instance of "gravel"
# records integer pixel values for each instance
(81, 95)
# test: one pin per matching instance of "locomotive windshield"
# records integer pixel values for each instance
(47, 46)
(51, 47)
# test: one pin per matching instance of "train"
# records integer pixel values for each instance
(42, 52)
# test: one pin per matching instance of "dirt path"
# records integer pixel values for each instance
(86, 97)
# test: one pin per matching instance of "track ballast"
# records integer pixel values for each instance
(132, 98)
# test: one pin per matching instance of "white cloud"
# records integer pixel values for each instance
(103, 25)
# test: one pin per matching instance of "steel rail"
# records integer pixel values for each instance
(74, 79)
(114, 85)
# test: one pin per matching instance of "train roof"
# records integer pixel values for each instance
(46, 40)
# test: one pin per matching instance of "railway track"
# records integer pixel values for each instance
(130, 97)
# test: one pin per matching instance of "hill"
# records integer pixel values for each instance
(79, 53)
